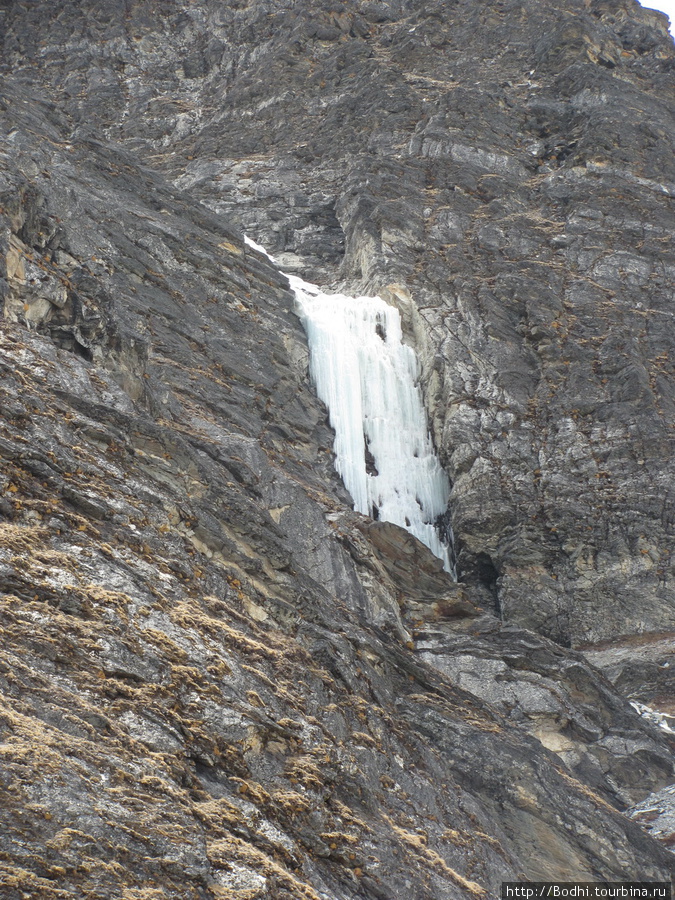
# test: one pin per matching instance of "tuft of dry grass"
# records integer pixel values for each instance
(291, 803)
(418, 845)
(223, 852)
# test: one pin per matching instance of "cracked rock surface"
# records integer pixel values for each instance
(504, 171)
(216, 680)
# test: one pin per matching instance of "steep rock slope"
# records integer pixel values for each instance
(217, 680)
(506, 170)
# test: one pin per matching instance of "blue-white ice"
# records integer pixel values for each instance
(662, 720)
(259, 248)
(369, 380)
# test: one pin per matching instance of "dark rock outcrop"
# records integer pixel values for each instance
(509, 165)
(217, 680)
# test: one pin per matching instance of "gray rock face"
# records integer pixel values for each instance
(217, 680)
(509, 166)
(657, 815)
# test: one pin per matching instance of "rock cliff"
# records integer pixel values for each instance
(217, 680)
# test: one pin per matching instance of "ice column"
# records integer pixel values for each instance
(368, 379)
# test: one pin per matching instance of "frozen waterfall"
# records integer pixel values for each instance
(368, 379)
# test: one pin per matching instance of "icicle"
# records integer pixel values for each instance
(368, 379)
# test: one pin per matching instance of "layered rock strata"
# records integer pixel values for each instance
(508, 166)
(217, 680)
